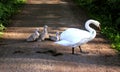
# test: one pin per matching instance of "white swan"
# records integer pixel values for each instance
(74, 37)
(34, 36)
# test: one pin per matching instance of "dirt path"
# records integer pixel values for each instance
(17, 55)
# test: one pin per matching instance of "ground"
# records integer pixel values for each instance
(17, 55)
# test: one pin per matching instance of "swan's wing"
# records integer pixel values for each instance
(64, 43)
(74, 35)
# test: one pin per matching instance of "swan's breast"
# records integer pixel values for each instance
(74, 35)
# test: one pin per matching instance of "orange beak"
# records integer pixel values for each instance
(99, 28)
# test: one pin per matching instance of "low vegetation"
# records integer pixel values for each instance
(7, 9)
(108, 13)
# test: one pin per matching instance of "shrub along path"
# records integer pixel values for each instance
(18, 55)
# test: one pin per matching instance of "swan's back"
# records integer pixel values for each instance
(74, 35)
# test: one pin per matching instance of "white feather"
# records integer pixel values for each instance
(74, 37)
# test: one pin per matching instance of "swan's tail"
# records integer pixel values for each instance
(63, 42)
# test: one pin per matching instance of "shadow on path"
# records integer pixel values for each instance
(14, 50)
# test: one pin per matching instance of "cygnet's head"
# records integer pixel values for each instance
(57, 33)
(57, 36)
(45, 26)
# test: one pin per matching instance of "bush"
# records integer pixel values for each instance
(7, 9)
(108, 13)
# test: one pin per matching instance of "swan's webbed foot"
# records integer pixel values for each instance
(72, 50)
(80, 49)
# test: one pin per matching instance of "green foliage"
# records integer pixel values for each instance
(108, 13)
(7, 9)
(2, 27)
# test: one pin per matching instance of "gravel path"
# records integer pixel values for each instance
(17, 55)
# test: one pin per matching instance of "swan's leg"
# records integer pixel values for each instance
(72, 50)
(80, 49)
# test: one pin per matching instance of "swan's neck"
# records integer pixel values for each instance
(91, 30)
(93, 34)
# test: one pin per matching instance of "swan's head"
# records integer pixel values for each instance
(95, 22)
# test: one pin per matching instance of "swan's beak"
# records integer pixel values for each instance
(99, 28)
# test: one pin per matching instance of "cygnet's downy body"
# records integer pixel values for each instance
(34, 36)
(44, 33)
(55, 38)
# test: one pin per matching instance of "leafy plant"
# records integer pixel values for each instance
(7, 9)
(2, 27)
(108, 13)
